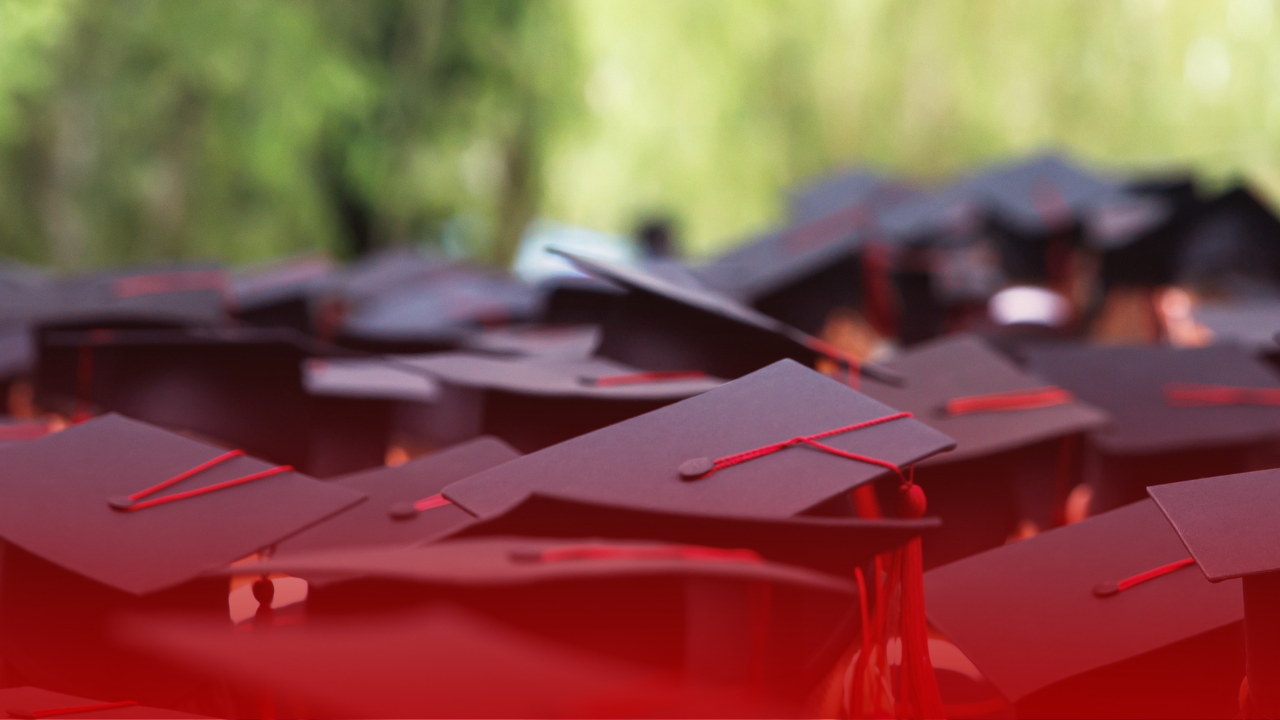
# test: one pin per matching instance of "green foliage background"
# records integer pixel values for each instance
(136, 130)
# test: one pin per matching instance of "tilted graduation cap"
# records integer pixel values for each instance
(280, 294)
(241, 386)
(1228, 524)
(89, 500)
(1101, 618)
(841, 191)
(404, 505)
(1176, 414)
(687, 457)
(1231, 246)
(1009, 427)
(536, 401)
(157, 297)
(30, 702)
(661, 325)
(441, 661)
(691, 608)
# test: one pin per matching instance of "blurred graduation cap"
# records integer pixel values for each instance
(661, 325)
(404, 505)
(687, 457)
(177, 296)
(691, 609)
(280, 294)
(29, 702)
(834, 193)
(535, 401)
(1108, 620)
(1228, 525)
(1176, 414)
(1147, 256)
(436, 313)
(1232, 246)
(241, 386)
(1014, 437)
(564, 341)
(442, 661)
(115, 515)
(1251, 323)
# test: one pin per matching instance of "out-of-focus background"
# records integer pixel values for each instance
(241, 130)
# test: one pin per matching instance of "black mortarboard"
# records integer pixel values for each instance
(1063, 624)
(241, 386)
(442, 661)
(1251, 324)
(1176, 414)
(279, 294)
(661, 325)
(436, 313)
(1010, 428)
(151, 297)
(534, 402)
(1231, 246)
(29, 702)
(404, 505)
(665, 460)
(681, 607)
(826, 196)
(835, 545)
(1228, 525)
(563, 341)
(572, 300)
(62, 504)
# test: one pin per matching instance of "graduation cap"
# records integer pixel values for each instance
(241, 386)
(178, 296)
(29, 702)
(441, 661)
(562, 341)
(404, 505)
(279, 294)
(1231, 246)
(851, 188)
(1012, 432)
(1252, 324)
(536, 401)
(436, 313)
(693, 609)
(114, 515)
(1101, 618)
(696, 455)
(1176, 414)
(661, 325)
(1226, 523)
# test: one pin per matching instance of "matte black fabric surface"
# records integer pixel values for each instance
(1227, 523)
(57, 490)
(636, 463)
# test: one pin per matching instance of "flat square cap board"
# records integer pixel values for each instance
(404, 505)
(637, 463)
(659, 323)
(1133, 384)
(58, 489)
(440, 661)
(30, 702)
(831, 545)
(822, 197)
(1228, 523)
(387, 379)
(181, 295)
(1029, 615)
(562, 341)
(1251, 324)
(994, 405)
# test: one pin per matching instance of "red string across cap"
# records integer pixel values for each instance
(1108, 589)
(702, 467)
(1196, 395)
(136, 502)
(1046, 396)
(640, 378)
(407, 510)
(72, 710)
(594, 551)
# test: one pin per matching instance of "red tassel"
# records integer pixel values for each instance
(900, 614)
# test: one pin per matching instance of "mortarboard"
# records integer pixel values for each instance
(30, 702)
(1011, 431)
(1231, 246)
(694, 609)
(441, 661)
(1101, 618)
(1227, 524)
(1252, 324)
(666, 460)
(115, 515)
(241, 386)
(1176, 414)
(662, 325)
(834, 193)
(404, 505)
(279, 294)
(175, 296)
(566, 341)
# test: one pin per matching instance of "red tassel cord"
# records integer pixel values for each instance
(1195, 395)
(134, 502)
(1040, 397)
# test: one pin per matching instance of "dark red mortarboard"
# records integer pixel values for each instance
(58, 491)
(404, 504)
(1092, 638)
(639, 462)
